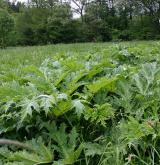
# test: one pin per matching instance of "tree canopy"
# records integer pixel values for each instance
(39, 22)
(6, 26)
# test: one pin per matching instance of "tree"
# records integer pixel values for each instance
(78, 7)
(101, 19)
(43, 3)
(60, 26)
(6, 26)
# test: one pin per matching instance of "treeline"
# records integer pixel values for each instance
(39, 22)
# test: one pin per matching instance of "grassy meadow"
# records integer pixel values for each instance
(80, 104)
(36, 54)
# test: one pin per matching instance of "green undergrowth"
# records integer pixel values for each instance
(93, 104)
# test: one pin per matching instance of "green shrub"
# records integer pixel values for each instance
(125, 35)
(6, 26)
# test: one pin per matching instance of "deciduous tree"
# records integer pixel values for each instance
(6, 26)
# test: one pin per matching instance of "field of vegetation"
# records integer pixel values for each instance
(82, 104)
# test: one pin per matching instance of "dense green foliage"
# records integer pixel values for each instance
(80, 104)
(6, 26)
(41, 22)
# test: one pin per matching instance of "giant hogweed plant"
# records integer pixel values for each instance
(97, 109)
